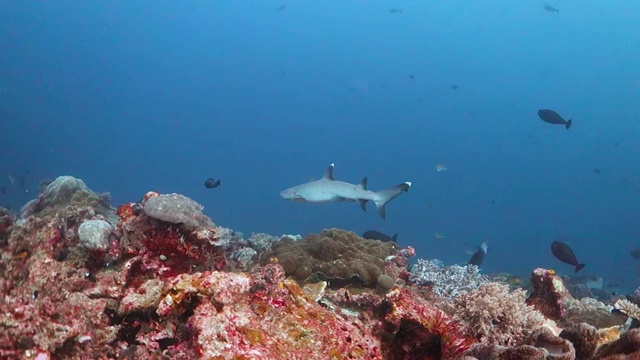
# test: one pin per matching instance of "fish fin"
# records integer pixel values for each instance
(394, 238)
(568, 124)
(328, 175)
(363, 204)
(363, 183)
(384, 196)
(579, 267)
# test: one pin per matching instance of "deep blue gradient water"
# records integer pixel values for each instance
(150, 95)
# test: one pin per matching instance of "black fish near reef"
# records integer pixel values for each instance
(211, 183)
(564, 253)
(376, 235)
(478, 257)
(552, 117)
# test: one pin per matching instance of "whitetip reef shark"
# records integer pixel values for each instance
(327, 190)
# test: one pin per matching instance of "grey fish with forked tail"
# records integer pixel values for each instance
(552, 117)
(327, 190)
(563, 252)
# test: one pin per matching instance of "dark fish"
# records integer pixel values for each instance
(553, 117)
(395, 10)
(454, 87)
(478, 257)
(551, 9)
(281, 7)
(412, 77)
(597, 171)
(376, 235)
(564, 253)
(211, 183)
(635, 253)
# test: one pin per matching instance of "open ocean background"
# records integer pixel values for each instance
(155, 95)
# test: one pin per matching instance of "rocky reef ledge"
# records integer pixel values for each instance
(157, 279)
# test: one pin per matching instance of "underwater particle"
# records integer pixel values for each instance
(597, 171)
(563, 252)
(439, 235)
(440, 167)
(412, 77)
(454, 87)
(163, 257)
(552, 117)
(211, 183)
(94, 234)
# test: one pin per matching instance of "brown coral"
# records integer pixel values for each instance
(334, 255)
(498, 316)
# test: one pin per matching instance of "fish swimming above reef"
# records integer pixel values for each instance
(211, 183)
(563, 252)
(550, 8)
(328, 190)
(552, 117)
(377, 235)
(478, 257)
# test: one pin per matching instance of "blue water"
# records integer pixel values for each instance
(139, 96)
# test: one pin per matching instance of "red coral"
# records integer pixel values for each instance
(549, 294)
(420, 331)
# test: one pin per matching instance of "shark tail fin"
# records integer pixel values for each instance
(386, 195)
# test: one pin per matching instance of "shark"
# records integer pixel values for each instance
(329, 190)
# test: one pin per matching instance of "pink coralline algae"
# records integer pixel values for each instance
(155, 280)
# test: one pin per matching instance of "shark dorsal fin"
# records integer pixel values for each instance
(328, 175)
(363, 183)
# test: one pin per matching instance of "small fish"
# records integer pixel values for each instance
(552, 117)
(454, 87)
(635, 253)
(551, 9)
(478, 257)
(439, 235)
(3, 190)
(395, 11)
(440, 167)
(597, 171)
(412, 77)
(513, 280)
(376, 235)
(281, 7)
(563, 252)
(211, 183)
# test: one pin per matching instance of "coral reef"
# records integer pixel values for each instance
(446, 281)
(157, 279)
(337, 256)
(496, 315)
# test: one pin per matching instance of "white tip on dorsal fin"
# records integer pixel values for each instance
(363, 183)
(328, 175)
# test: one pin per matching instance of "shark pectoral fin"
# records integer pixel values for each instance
(363, 204)
(328, 175)
(384, 196)
(394, 238)
(363, 183)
